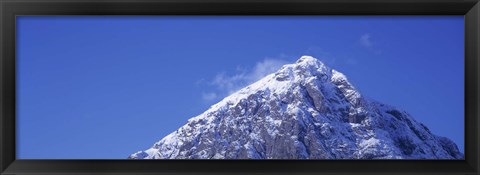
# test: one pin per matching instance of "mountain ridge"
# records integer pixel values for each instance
(305, 110)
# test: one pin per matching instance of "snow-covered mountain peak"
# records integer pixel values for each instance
(306, 59)
(305, 110)
(310, 66)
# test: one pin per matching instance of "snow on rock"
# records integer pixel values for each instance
(305, 110)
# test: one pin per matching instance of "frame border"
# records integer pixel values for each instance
(9, 9)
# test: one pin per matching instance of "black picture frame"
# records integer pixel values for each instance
(9, 9)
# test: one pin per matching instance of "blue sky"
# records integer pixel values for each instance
(106, 87)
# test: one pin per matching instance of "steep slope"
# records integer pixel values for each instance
(305, 110)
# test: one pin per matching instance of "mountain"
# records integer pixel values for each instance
(305, 110)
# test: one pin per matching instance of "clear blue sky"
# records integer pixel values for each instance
(106, 87)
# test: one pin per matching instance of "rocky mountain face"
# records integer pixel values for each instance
(305, 110)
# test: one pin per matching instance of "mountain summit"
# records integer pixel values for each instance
(305, 110)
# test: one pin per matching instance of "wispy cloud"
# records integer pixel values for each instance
(265, 68)
(209, 96)
(365, 40)
(228, 84)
